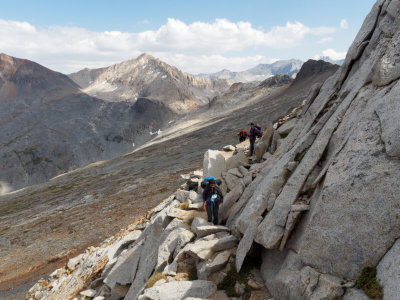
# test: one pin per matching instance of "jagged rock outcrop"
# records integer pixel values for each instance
(170, 241)
(347, 131)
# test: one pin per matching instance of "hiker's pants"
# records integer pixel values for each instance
(212, 211)
(252, 141)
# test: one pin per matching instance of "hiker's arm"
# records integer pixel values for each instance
(204, 198)
(221, 197)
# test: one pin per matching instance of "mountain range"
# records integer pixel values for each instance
(52, 123)
(259, 72)
(150, 78)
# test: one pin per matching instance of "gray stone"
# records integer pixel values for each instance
(213, 164)
(204, 269)
(247, 179)
(236, 160)
(196, 206)
(231, 180)
(244, 171)
(229, 148)
(122, 243)
(281, 273)
(198, 222)
(387, 112)
(194, 197)
(154, 236)
(180, 290)
(229, 201)
(172, 244)
(355, 294)
(292, 166)
(299, 207)
(388, 68)
(119, 291)
(247, 241)
(204, 230)
(287, 127)
(274, 144)
(388, 272)
(121, 271)
(329, 287)
(182, 196)
(88, 293)
(74, 262)
(235, 172)
(204, 248)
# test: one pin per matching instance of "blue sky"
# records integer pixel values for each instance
(196, 36)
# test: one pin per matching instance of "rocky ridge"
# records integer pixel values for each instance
(48, 126)
(323, 204)
(260, 72)
(150, 78)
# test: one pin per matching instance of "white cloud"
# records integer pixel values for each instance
(344, 24)
(68, 49)
(331, 54)
(325, 40)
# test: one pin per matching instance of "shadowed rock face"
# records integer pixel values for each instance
(48, 126)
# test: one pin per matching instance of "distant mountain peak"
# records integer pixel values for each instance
(260, 72)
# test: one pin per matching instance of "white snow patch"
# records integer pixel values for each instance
(156, 132)
(164, 76)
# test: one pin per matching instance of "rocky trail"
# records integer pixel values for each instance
(172, 251)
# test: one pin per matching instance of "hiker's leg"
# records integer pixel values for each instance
(209, 212)
(252, 146)
(215, 213)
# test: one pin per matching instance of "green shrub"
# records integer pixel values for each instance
(367, 282)
(184, 206)
(229, 281)
(156, 277)
(192, 274)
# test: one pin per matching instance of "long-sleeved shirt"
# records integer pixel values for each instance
(208, 192)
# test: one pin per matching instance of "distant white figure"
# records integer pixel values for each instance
(4, 188)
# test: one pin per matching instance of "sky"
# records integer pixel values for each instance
(202, 36)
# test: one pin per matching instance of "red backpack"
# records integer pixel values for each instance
(243, 133)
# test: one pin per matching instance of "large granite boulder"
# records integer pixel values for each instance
(213, 164)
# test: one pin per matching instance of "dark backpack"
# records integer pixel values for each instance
(204, 183)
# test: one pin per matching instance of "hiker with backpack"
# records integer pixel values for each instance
(212, 200)
(242, 135)
(255, 131)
